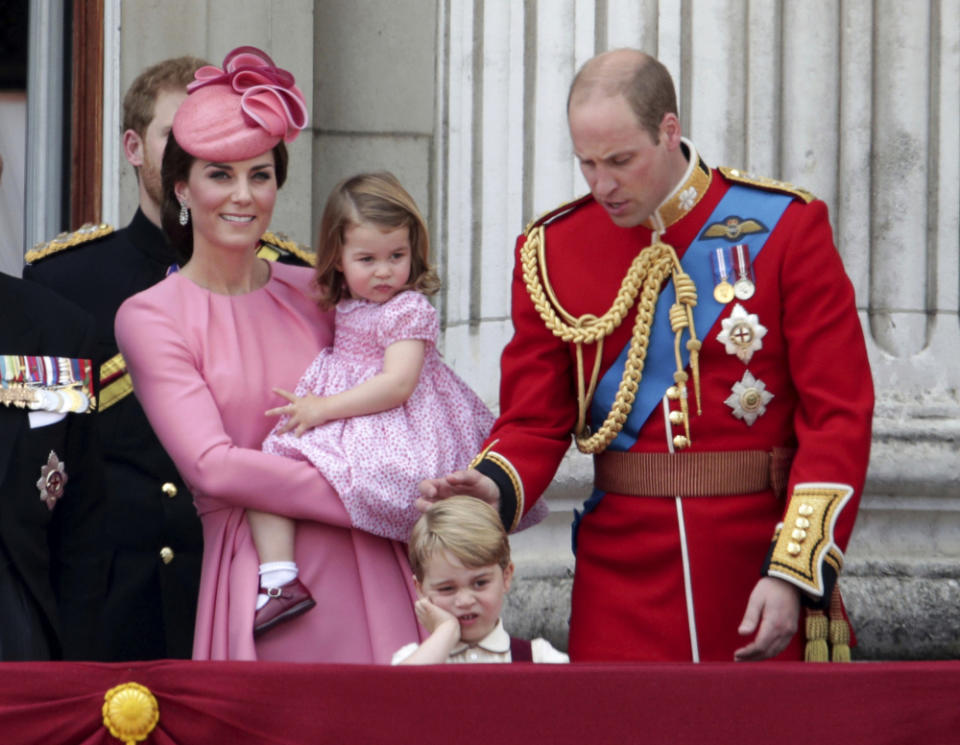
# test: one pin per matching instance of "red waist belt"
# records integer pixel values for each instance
(691, 474)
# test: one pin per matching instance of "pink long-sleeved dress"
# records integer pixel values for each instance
(203, 367)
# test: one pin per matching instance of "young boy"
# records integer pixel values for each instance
(460, 557)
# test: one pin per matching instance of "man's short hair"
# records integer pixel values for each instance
(641, 79)
(141, 98)
(468, 528)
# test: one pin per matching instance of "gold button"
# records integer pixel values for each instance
(676, 417)
(802, 523)
(793, 548)
(805, 509)
(673, 393)
(798, 534)
(680, 442)
(169, 489)
(166, 554)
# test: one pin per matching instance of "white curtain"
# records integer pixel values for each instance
(13, 116)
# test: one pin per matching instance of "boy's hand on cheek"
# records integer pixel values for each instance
(432, 616)
(444, 634)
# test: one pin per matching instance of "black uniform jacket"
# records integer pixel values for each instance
(56, 552)
(152, 527)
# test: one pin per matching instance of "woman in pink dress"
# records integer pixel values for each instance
(206, 346)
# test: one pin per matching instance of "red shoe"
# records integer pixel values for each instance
(286, 602)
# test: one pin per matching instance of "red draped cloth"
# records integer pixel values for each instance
(236, 703)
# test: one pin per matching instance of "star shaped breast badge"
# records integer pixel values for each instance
(53, 478)
(749, 398)
(742, 333)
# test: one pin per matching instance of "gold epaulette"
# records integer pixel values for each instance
(274, 245)
(563, 209)
(762, 182)
(84, 234)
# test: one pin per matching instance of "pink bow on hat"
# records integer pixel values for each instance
(269, 95)
(241, 111)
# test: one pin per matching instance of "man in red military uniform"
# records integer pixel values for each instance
(729, 411)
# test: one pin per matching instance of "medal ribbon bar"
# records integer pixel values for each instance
(43, 383)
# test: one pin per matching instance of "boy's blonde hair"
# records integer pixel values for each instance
(379, 199)
(467, 527)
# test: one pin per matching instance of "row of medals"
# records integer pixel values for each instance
(724, 270)
(69, 398)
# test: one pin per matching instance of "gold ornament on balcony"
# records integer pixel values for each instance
(130, 712)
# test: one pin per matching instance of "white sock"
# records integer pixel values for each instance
(275, 574)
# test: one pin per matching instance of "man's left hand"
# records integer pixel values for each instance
(470, 483)
(773, 612)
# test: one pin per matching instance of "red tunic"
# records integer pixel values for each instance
(630, 594)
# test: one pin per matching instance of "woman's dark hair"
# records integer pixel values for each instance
(176, 168)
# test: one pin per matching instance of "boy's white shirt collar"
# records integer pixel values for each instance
(497, 641)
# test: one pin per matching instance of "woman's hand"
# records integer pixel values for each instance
(305, 412)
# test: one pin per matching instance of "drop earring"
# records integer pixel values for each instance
(184, 216)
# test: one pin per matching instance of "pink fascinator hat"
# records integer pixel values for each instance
(241, 111)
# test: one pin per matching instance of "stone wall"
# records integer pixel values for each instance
(153, 30)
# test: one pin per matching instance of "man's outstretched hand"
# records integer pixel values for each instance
(470, 483)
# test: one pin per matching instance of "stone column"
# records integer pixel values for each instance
(904, 566)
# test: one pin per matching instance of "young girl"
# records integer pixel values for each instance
(379, 411)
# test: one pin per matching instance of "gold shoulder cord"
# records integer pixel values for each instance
(645, 276)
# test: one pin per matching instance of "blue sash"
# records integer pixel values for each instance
(764, 206)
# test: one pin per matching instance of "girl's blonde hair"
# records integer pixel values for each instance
(467, 527)
(379, 199)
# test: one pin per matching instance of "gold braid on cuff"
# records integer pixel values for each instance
(805, 541)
